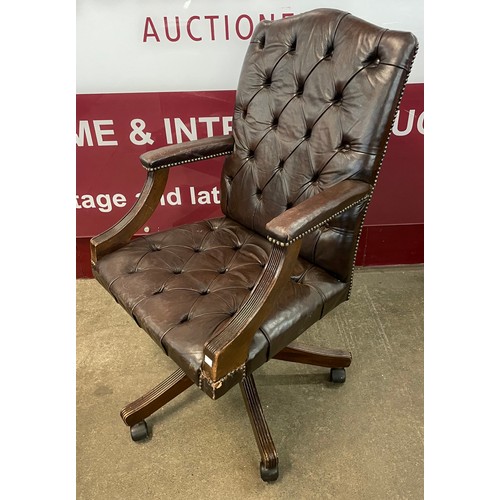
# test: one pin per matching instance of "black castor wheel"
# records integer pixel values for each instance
(337, 375)
(139, 431)
(268, 475)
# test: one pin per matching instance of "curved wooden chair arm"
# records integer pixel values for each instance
(121, 233)
(157, 163)
(227, 350)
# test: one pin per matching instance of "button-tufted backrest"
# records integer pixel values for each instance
(317, 96)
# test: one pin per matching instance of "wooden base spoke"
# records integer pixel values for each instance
(318, 356)
(267, 450)
(141, 408)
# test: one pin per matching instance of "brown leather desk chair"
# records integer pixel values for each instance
(316, 100)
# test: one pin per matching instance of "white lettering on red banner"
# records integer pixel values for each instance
(105, 202)
(401, 127)
(177, 130)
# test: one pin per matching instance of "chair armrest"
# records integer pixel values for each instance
(157, 163)
(121, 233)
(178, 154)
(312, 213)
(225, 353)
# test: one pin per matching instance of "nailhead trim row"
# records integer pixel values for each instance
(317, 226)
(378, 171)
(218, 383)
(191, 160)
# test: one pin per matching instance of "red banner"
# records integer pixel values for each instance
(112, 130)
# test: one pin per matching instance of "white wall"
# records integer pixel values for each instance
(112, 56)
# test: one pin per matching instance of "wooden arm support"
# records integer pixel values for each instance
(121, 233)
(227, 350)
(157, 164)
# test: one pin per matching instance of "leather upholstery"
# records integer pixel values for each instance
(315, 102)
(178, 154)
(181, 284)
(311, 122)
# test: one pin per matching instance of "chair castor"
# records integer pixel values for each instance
(337, 375)
(268, 475)
(139, 431)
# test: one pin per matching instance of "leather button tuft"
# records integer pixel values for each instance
(308, 133)
(373, 60)
(204, 292)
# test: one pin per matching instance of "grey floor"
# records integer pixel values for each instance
(359, 440)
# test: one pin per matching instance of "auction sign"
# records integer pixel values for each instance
(155, 72)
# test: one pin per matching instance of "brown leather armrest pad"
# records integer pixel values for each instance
(185, 152)
(295, 221)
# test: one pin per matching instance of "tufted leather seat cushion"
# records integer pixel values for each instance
(181, 284)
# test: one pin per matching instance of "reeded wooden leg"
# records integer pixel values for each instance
(134, 413)
(319, 356)
(269, 457)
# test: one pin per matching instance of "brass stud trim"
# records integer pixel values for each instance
(191, 160)
(317, 226)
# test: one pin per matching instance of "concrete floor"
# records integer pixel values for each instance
(360, 440)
